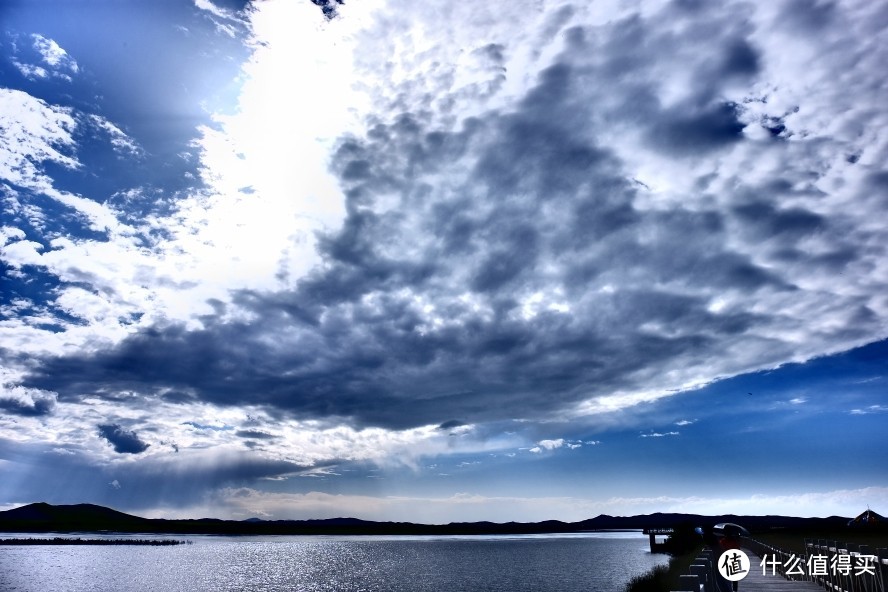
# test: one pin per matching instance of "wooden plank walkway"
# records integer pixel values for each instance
(755, 582)
(703, 576)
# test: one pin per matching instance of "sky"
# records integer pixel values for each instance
(440, 261)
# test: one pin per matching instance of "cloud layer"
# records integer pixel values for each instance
(432, 230)
(654, 210)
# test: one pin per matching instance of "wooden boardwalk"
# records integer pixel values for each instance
(703, 576)
(755, 581)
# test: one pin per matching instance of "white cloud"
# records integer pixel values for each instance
(868, 380)
(25, 401)
(212, 8)
(33, 132)
(56, 63)
(227, 22)
(118, 138)
(53, 54)
(12, 505)
(658, 435)
(30, 71)
(870, 409)
(207, 435)
(282, 134)
(320, 472)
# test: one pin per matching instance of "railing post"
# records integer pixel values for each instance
(882, 570)
(854, 583)
(833, 579)
(820, 549)
(712, 559)
(702, 571)
(689, 583)
(867, 581)
(809, 551)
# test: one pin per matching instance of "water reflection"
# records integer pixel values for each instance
(599, 562)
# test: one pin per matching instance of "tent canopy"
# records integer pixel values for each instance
(867, 518)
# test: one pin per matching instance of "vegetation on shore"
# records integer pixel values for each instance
(78, 541)
(663, 577)
(683, 546)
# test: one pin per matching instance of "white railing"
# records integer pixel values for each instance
(703, 576)
(835, 566)
(845, 567)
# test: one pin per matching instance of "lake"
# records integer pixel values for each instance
(588, 562)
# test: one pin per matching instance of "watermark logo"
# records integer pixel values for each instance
(820, 565)
(733, 565)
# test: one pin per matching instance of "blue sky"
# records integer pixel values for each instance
(440, 262)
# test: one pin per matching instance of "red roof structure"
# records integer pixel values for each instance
(868, 518)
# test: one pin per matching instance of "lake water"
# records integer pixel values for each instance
(588, 562)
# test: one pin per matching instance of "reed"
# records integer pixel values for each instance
(79, 541)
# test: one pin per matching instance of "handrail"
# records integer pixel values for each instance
(835, 566)
(848, 566)
(784, 565)
(703, 576)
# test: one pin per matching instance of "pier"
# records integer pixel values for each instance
(653, 533)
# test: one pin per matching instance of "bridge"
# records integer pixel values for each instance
(819, 570)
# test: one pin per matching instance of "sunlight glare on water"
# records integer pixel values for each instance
(597, 562)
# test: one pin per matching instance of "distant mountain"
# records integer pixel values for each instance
(86, 517)
(43, 517)
(753, 523)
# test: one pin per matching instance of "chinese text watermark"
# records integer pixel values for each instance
(819, 565)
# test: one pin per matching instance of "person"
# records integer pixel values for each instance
(730, 539)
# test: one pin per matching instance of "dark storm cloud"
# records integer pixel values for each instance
(450, 424)
(740, 58)
(124, 442)
(685, 132)
(328, 7)
(808, 17)
(34, 406)
(509, 267)
(766, 221)
(548, 198)
(255, 434)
